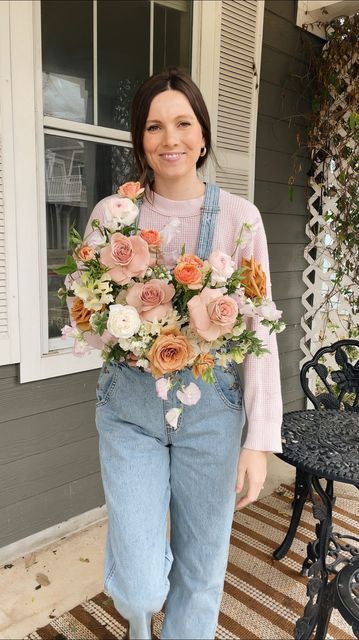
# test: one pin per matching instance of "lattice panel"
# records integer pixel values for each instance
(317, 276)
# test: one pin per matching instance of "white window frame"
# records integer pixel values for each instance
(29, 129)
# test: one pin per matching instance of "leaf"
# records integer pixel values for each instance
(84, 560)
(42, 579)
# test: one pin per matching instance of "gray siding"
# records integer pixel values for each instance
(49, 468)
(285, 58)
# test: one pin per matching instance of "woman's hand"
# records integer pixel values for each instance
(253, 465)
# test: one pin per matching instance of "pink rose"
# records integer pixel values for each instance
(119, 212)
(212, 314)
(152, 299)
(125, 257)
(222, 267)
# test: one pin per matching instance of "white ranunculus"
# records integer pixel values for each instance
(119, 212)
(123, 321)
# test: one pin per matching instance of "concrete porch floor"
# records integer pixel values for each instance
(69, 570)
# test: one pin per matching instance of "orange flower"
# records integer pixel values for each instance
(152, 237)
(201, 364)
(130, 190)
(80, 315)
(85, 253)
(170, 352)
(189, 258)
(187, 273)
(254, 279)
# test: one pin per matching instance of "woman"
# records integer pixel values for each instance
(195, 469)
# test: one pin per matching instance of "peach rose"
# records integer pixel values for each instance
(130, 190)
(152, 299)
(153, 238)
(212, 314)
(189, 258)
(85, 253)
(80, 315)
(188, 274)
(125, 258)
(170, 352)
(254, 279)
(202, 363)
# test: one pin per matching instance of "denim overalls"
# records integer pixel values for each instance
(147, 468)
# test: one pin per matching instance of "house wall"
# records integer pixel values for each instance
(286, 55)
(49, 468)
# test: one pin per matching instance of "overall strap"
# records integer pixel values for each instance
(209, 212)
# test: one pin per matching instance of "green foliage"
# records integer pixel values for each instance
(69, 267)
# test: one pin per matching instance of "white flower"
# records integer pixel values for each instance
(123, 321)
(170, 231)
(246, 234)
(119, 212)
(172, 417)
(190, 394)
(268, 310)
(143, 362)
(94, 294)
(163, 385)
(222, 267)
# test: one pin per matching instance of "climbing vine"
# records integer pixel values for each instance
(333, 138)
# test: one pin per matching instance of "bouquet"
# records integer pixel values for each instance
(125, 300)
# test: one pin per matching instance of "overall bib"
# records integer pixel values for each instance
(148, 468)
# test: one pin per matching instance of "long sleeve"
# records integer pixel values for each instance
(262, 387)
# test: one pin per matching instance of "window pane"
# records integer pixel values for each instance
(123, 57)
(67, 53)
(78, 174)
(172, 36)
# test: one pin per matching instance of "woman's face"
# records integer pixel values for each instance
(173, 137)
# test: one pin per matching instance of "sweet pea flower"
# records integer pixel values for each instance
(268, 310)
(189, 395)
(170, 230)
(172, 417)
(163, 385)
(246, 234)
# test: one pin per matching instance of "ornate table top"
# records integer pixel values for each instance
(323, 443)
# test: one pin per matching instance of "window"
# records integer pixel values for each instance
(94, 57)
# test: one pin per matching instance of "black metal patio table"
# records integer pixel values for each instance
(325, 445)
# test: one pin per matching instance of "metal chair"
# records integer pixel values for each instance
(337, 389)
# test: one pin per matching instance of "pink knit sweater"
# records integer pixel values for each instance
(262, 389)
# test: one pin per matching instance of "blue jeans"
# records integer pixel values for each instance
(147, 468)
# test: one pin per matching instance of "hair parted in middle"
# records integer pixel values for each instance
(178, 80)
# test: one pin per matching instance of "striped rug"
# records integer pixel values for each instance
(262, 597)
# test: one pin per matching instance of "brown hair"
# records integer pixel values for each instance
(178, 80)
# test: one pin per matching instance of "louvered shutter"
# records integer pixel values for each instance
(239, 63)
(9, 327)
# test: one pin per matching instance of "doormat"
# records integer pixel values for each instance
(262, 597)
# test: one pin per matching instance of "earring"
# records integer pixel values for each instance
(203, 152)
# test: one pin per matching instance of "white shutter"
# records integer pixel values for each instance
(9, 323)
(239, 64)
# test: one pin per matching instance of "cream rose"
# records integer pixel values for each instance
(212, 314)
(123, 321)
(119, 212)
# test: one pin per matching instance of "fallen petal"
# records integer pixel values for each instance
(189, 395)
(172, 417)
